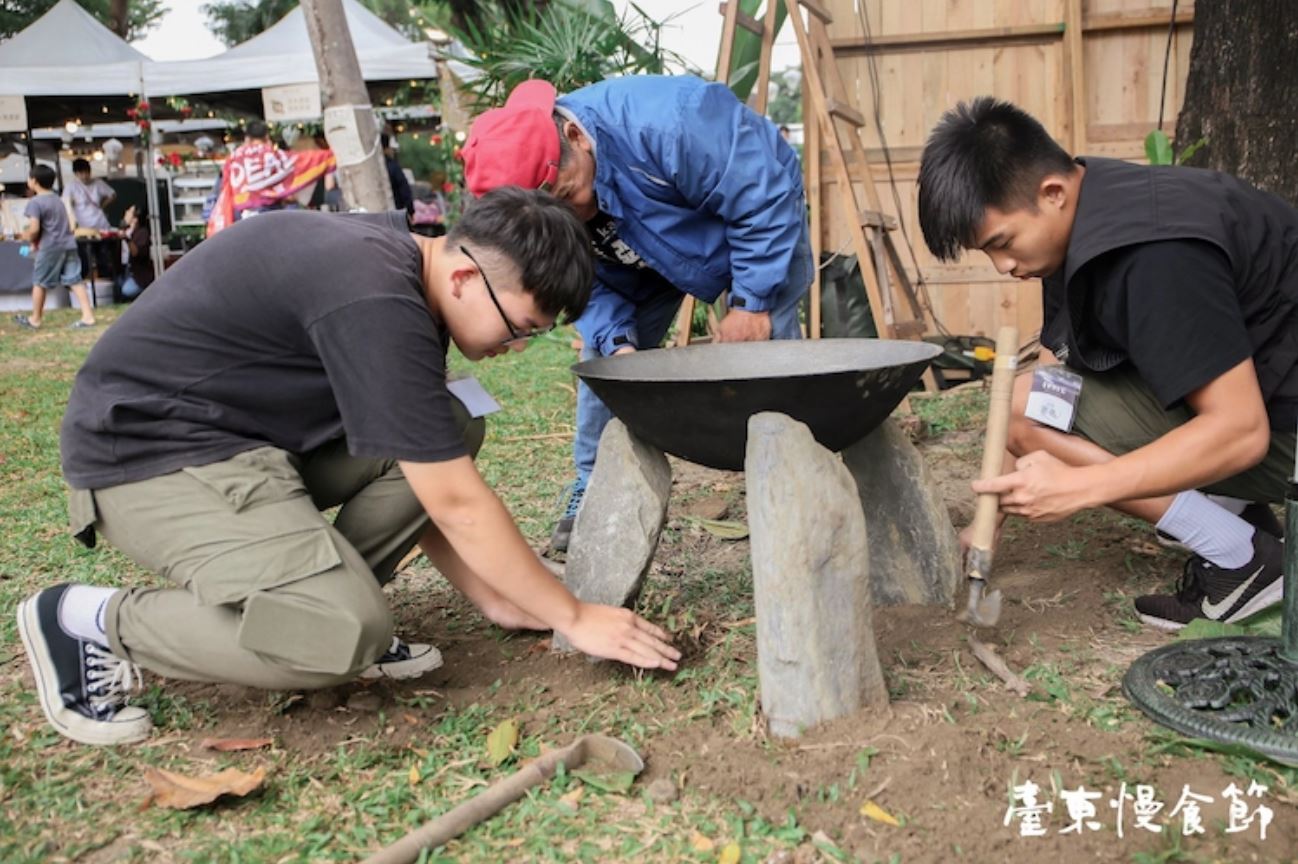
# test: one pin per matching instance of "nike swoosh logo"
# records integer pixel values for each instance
(1215, 611)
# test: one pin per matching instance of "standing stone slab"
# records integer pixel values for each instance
(914, 552)
(816, 657)
(621, 518)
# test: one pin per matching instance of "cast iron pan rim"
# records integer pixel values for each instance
(583, 369)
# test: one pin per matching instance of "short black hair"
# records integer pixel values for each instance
(984, 153)
(80, 165)
(255, 129)
(44, 176)
(542, 236)
(385, 140)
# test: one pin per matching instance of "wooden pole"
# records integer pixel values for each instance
(811, 161)
(764, 62)
(349, 124)
(1074, 76)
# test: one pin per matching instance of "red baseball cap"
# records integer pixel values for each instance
(515, 145)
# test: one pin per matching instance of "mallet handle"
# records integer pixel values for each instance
(998, 421)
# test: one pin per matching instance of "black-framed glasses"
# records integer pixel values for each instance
(515, 334)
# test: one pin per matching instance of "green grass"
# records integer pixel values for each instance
(952, 411)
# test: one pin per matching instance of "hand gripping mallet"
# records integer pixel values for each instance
(984, 609)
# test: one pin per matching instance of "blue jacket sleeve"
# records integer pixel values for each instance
(730, 162)
(608, 323)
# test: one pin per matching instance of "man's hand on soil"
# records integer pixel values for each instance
(613, 633)
(1040, 488)
(741, 326)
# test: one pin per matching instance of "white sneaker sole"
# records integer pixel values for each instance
(405, 670)
(1160, 623)
(131, 725)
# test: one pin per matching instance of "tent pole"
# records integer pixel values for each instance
(151, 193)
(31, 143)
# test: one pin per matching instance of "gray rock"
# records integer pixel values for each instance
(914, 552)
(621, 518)
(816, 658)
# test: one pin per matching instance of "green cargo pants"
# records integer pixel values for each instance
(1118, 412)
(268, 592)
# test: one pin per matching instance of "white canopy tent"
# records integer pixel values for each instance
(67, 66)
(56, 54)
(282, 55)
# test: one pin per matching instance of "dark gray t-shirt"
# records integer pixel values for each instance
(56, 233)
(291, 329)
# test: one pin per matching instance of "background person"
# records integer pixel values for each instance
(683, 189)
(86, 197)
(139, 264)
(56, 263)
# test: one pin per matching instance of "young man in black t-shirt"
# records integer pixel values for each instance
(292, 364)
(1172, 292)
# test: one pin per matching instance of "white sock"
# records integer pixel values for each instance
(1209, 530)
(81, 612)
(1234, 505)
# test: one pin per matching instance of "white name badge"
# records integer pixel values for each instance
(1053, 399)
(474, 396)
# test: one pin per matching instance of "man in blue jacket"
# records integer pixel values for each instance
(684, 191)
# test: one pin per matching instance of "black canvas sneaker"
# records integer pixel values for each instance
(1207, 591)
(83, 687)
(404, 660)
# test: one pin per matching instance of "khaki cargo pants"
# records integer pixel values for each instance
(268, 592)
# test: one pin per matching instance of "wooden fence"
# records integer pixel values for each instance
(1089, 70)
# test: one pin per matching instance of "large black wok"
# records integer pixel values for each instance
(694, 402)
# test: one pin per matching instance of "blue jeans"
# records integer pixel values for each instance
(652, 319)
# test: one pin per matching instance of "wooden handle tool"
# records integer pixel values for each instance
(984, 609)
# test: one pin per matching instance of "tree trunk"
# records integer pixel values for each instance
(121, 18)
(1241, 92)
(361, 168)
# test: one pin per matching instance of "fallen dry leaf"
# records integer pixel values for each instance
(1144, 547)
(725, 530)
(700, 842)
(571, 799)
(180, 792)
(870, 810)
(230, 745)
(414, 775)
(501, 742)
(729, 854)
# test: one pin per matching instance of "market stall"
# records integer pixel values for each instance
(68, 69)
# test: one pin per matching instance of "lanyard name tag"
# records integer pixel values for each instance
(1053, 399)
(474, 396)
